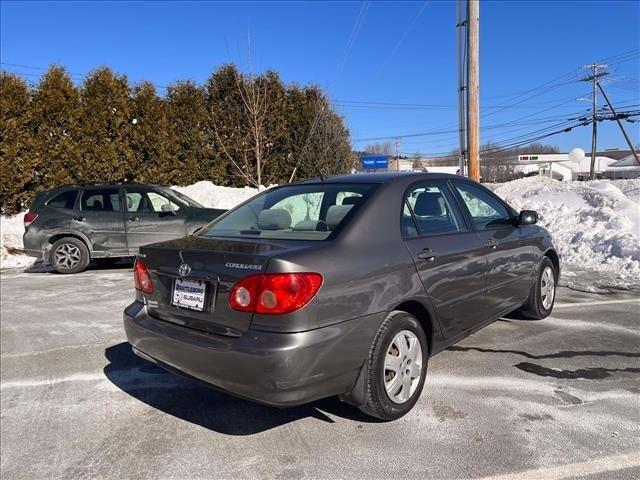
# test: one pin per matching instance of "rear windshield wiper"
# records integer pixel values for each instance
(250, 232)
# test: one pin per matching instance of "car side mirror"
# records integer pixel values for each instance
(167, 208)
(528, 217)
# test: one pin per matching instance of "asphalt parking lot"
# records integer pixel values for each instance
(558, 398)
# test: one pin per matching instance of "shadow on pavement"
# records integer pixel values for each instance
(207, 407)
(97, 264)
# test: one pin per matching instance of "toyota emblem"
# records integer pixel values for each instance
(184, 270)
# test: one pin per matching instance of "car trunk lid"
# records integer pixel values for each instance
(216, 262)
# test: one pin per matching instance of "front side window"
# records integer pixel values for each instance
(66, 200)
(295, 212)
(160, 203)
(105, 200)
(486, 211)
(434, 209)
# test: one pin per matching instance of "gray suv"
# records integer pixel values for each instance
(70, 226)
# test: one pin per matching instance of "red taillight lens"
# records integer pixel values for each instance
(142, 277)
(29, 217)
(274, 293)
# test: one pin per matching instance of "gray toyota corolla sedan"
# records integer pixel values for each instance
(343, 286)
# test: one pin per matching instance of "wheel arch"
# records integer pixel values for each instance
(423, 315)
(555, 259)
(65, 234)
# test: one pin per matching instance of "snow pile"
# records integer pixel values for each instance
(595, 226)
(11, 230)
(213, 196)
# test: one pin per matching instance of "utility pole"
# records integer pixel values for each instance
(473, 88)
(594, 67)
(461, 25)
(397, 153)
(615, 115)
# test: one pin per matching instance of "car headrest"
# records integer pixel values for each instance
(429, 203)
(352, 200)
(129, 202)
(143, 204)
(310, 226)
(335, 214)
(97, 205)
(274, 219)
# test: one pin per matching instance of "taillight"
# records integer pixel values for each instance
(142, 277)
(29, 217)
(274, 293)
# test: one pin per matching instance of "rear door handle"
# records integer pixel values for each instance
(427, 255)
(79, 218)
(492, 244)
(133, 219)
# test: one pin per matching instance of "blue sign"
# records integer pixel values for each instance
(374, 162)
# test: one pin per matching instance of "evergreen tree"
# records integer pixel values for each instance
(16, 167)
(150, 136)
(192, 156)
(105, 129)
(54, 115)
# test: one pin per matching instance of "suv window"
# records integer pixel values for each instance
(160, 203)
(486, 211)
(66, 200)
(433, 209)
(104, 200)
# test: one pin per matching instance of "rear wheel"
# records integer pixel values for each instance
(543, 292)
(69, 255)
(397, 367)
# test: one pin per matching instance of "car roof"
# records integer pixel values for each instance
(380, 177)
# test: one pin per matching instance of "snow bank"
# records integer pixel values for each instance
(213, 196)
(595, 226)
(11, 230)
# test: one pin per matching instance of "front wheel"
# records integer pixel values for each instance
(397, 367)
(543, 292)
(69, 255)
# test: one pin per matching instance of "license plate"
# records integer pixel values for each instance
(189, 294)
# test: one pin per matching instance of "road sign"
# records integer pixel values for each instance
(375, 162)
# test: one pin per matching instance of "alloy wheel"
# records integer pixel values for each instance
(67, 256)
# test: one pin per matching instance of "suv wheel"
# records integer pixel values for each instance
(69, 255)
(396, 368)
(543, 292)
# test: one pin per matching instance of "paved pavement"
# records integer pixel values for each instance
(558, 398)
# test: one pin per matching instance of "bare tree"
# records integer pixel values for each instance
(248, 148)
(379, 149)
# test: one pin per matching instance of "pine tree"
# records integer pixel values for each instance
(16, 167)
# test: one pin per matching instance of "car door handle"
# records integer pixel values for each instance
(492, 244)
(79, 218)
(133, 219)
(427, 255)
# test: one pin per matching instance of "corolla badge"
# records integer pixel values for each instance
(184, 270)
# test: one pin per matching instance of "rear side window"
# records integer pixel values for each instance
(66, 200)
(434, 210)
(295, 212)
(104, 200)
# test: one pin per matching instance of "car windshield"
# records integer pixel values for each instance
(294, 212)
(181, 196)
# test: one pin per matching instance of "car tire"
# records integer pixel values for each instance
(383, 399)
(69, 255)
(543, 292)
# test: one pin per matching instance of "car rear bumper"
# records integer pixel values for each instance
(278, 369)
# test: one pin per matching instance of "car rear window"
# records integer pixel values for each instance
(295, 212)
(66, 200)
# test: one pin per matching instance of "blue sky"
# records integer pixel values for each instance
(387, 52)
